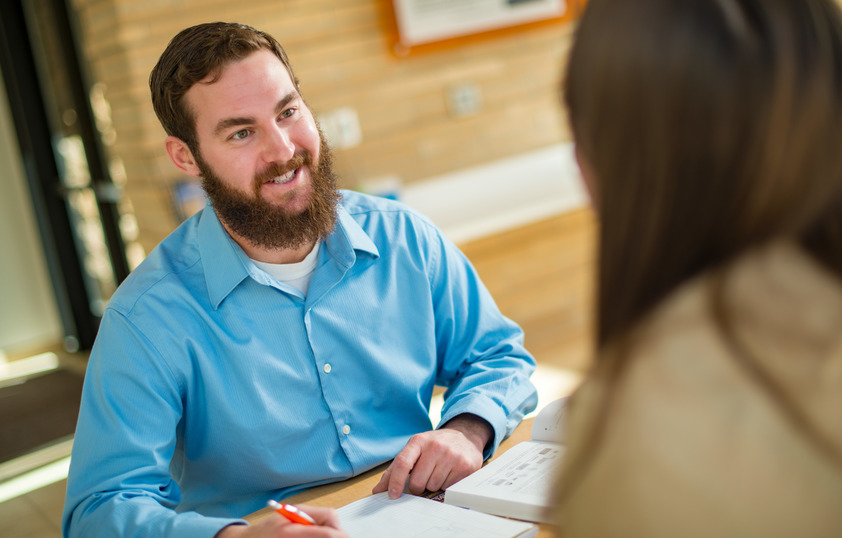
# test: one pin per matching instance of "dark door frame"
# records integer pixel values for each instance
(62, 247)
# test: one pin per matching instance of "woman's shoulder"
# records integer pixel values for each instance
(776, 306)
(691, 430)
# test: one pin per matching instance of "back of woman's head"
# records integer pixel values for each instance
(710, 127)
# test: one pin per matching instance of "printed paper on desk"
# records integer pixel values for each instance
(378, 516)
(519, 482)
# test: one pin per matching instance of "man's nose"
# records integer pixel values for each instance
(277, 146)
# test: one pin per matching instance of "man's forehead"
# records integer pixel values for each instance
(257, 81)
(263, 58)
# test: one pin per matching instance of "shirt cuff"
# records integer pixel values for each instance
(484, 408)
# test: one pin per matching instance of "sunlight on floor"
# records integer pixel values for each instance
(29, 472)
(28, 482)
(12, 372)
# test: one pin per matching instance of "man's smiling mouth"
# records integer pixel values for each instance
(286, 178)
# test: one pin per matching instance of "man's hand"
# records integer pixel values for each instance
(436, 459)
(276, 526)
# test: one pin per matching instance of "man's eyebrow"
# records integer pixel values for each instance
(287, 99)
(227, 123)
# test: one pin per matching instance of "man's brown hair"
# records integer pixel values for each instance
(195, 54)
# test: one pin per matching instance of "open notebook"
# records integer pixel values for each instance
(378, 516)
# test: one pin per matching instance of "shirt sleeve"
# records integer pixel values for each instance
(120, 482)
(481, 357)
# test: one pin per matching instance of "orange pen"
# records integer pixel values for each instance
(292, 513)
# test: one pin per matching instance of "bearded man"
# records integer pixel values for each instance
(288, 335)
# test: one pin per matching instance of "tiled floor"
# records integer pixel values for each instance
(38, 514)
(34, 515)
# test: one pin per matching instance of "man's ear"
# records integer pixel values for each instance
(181, 156)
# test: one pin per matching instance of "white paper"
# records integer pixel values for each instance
(377, 516)
(549, 424)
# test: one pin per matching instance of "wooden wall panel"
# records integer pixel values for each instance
(341, 51)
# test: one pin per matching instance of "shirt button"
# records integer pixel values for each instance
(327, 368)
(346, 429)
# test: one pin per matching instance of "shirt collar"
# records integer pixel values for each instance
(226, 264)
(347, 238)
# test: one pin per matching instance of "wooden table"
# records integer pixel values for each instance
(339, 494)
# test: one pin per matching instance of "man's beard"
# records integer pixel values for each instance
(264, 225)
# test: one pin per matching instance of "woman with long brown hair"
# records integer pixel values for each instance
(709, 133)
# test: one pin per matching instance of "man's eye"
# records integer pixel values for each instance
(287, 113)
(239, 135)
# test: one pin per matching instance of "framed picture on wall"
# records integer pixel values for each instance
(422, 22)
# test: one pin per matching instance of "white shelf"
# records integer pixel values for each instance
(501, 195)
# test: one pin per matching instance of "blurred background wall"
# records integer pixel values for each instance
(343, 53)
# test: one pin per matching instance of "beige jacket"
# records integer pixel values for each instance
(693, 446)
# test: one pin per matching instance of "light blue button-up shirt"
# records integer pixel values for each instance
(212, 387)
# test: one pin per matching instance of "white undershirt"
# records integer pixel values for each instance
(296, 275)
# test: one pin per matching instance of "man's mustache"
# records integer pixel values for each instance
(304, 157)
